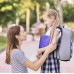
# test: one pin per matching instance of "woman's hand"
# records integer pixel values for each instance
(39, 51)
(39, 55)
(51, 46)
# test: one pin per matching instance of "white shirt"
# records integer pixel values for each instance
(48, 32)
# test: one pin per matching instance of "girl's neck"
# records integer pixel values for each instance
(52, 26)
(49, 26)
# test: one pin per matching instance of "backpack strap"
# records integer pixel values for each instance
(59, 41)
(59, 27)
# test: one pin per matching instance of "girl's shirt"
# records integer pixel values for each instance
(17, 58)
(48, 33)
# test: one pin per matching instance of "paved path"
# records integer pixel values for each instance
(29, 47)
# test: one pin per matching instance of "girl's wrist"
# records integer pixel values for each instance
(46, 54)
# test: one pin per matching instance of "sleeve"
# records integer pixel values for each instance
(59, 35)
(20, 56)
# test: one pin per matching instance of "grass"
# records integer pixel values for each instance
(73, 36)
(2, 43)
(70, 24)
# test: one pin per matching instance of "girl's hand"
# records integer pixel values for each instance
(39, 56)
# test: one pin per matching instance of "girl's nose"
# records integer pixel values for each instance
(25, 34)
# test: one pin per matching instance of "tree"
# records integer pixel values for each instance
(68, 12)
(37, 11)
(28, 17)
(58, 6)
(8, 11)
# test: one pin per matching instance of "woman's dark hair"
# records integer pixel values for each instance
(12, 41)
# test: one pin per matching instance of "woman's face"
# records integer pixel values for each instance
(22, 36)
(48, 21)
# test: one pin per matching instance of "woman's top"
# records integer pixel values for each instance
(17, 58)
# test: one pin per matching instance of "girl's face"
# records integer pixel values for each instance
(22, 36)
(48, 21)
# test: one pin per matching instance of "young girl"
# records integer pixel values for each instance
(52, 63)
(16, 57)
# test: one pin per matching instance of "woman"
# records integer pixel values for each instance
(16, 57)
(52, 63)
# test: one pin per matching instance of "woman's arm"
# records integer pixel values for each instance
(37, 65)
(35, 61)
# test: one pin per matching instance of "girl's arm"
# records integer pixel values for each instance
(37, 65)
(53, 41)
(56, 33)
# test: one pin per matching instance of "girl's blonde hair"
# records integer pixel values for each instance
(51, 12)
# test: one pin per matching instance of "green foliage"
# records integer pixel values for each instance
(68, 12)
(70, 24)
(2, 42)
(7, 11)
(12, 9)
(73, 35)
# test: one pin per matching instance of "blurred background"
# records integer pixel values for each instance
(28, 13)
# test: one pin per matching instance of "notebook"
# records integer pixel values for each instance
(44, 41)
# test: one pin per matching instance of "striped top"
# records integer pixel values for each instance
(17, 58)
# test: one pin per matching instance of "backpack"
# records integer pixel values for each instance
(65, 45)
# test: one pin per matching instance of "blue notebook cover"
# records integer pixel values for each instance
(44, 41)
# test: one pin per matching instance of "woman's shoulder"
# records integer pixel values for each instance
(16, 51)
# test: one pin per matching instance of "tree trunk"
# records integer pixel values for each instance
(58, 6)
(47, 5)
(17, 21)
(28, 17)
(37, 11)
